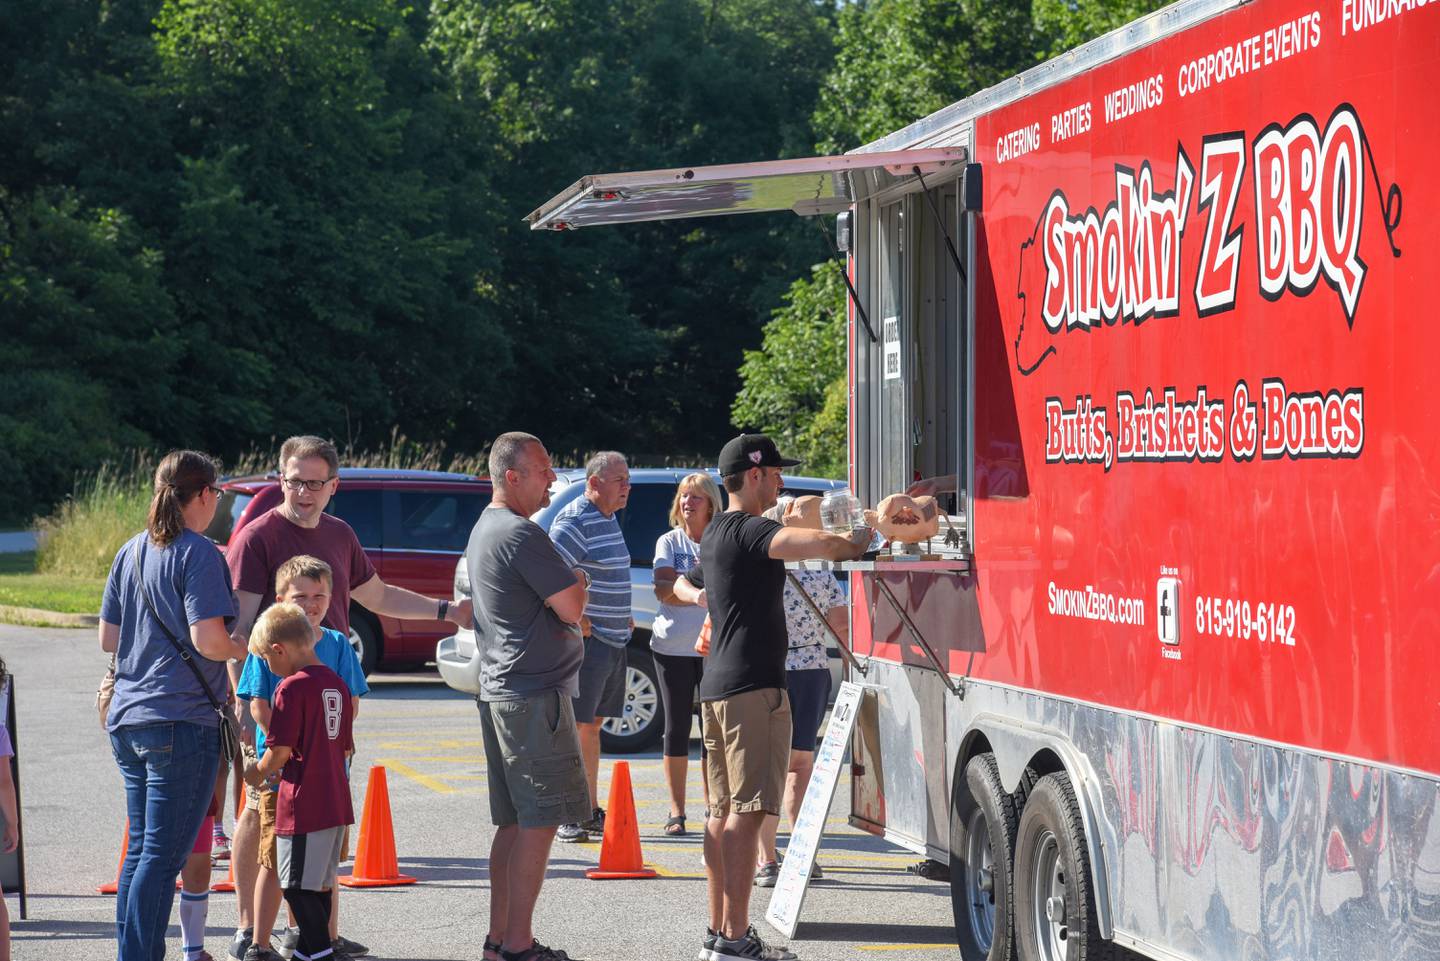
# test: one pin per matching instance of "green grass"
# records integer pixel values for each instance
(52, 592)
(20, 586)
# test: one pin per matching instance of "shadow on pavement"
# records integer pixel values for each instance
(867, 932)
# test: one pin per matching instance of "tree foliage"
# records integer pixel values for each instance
(223, 221)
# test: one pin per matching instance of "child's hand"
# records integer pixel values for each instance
(11, 840)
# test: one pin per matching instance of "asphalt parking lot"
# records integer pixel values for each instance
(428, 738)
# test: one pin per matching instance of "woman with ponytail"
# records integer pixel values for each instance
(165, 615)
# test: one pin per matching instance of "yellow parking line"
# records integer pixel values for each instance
(400, 767)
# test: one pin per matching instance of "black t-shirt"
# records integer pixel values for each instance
(745, 592)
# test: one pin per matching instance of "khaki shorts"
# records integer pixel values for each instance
(532, 755)
(269, 801)
(747, 751)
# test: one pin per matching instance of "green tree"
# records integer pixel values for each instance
(787, 382)
(641, 327)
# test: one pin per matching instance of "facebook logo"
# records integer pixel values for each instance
(1167, 609)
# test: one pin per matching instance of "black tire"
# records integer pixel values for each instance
(1054, 891)
(983, 821)
(365, 638)
(641, 724)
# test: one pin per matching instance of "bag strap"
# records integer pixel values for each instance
(184, 654)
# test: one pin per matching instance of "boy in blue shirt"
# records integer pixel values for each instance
(306, 582)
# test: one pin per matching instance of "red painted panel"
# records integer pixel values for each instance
(1289, 478)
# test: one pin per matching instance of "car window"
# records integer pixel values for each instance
(645, 518)
(436, 520)
(361, 510)
(231, 506)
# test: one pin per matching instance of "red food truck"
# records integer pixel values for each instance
(1155, 312)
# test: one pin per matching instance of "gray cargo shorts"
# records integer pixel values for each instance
(532, 756)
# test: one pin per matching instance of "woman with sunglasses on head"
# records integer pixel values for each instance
(165, 615)
(677, 626)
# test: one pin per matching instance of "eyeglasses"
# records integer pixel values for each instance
(314, 486)
(217, 491)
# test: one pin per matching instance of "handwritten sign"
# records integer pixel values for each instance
(789, 893)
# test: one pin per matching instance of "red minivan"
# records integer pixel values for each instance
(413, 525)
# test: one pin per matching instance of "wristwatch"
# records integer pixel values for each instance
(444, 609)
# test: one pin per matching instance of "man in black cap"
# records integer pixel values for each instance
(745, 713)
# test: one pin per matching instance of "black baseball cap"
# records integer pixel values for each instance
(751, 450)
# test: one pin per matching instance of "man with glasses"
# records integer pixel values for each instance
(309, 476)
(588, 537)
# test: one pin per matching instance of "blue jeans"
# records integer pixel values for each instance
(169, 770)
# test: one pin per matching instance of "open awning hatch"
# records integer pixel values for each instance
(808, 186)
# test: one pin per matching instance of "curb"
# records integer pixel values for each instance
(35, 617)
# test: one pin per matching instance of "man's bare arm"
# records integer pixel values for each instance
(803, 544)
(381, 598)
(569, 604)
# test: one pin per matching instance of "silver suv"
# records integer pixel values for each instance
(644, 519)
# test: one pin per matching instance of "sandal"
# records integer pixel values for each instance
(491, 948)
(675, 827)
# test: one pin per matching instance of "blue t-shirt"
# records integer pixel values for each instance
(333, 650)
(188, 583)
(587, 538)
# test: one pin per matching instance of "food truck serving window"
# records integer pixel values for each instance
(912, 380)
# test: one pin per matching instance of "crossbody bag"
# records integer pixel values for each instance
(229, 738)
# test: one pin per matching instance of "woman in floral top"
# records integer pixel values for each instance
(807, 680)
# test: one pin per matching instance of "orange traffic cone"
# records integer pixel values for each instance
(229, 883)
(375, 863)
(114, 886)
(620, 848)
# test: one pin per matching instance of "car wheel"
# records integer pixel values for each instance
(365, 638)
(642, 721)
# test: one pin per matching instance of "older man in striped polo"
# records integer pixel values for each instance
(588, 537)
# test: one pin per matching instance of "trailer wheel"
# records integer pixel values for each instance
(1055, 917)
(983, 821)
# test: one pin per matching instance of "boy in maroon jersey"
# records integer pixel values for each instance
(308, 744)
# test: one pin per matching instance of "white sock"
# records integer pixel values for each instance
(194, 908)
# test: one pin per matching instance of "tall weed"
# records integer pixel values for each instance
(80, 539)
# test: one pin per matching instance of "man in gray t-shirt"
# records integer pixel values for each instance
(527, 605)
(525, 648)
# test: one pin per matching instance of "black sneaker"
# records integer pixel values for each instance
(750, 948)
(572, 833)
(240, 944)
(707, 947)
(596, 824)
(258, 952)
(536, 952)
(343, 945)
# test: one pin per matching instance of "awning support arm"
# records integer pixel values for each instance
(940, 222)
(854, 294)
(884, 590)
